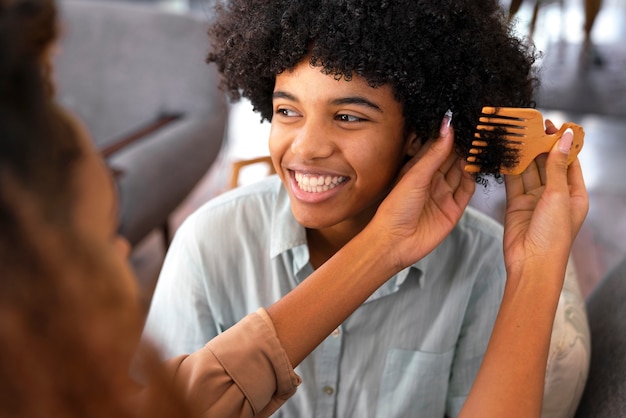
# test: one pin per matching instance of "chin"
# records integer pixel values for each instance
(311, 220)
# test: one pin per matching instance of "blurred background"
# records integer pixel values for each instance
(583, 75)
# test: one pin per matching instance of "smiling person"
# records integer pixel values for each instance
(69, 313)
(353, 89)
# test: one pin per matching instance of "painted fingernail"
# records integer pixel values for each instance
(445, 123)
(565, 143)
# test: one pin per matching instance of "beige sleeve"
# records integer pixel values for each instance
(243, 372)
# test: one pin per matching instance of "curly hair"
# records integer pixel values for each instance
(69, 326)
(28, 113)
(435, 54)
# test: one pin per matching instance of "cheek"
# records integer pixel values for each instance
(278, 139)
(278, 147)
(382, 158)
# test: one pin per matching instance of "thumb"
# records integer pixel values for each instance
(557, 160)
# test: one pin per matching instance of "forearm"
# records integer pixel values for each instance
(511, 378)
(310, 312)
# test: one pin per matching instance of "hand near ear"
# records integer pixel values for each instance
(427, 201)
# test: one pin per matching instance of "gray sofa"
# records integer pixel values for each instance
(136, 75)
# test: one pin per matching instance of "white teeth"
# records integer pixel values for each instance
(317, 184)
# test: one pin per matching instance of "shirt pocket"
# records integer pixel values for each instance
(414, 384)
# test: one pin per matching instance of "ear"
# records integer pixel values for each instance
(412, 144)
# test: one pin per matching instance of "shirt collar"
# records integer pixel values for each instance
(286, 232)
(288, 235)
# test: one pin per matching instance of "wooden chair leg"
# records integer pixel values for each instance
(238, 165)
(533, 21)
(514, 7)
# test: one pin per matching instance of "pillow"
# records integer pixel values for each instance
(570, 351)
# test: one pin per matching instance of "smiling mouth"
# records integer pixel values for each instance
(317, 183)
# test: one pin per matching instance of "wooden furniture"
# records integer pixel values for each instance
(516, 4)
(239, 165)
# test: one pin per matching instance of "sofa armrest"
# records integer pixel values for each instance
(120, 143)
(159, 171)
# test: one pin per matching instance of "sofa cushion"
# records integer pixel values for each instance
(121, 65)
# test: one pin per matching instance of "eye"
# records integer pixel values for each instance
(286, 112)
(349, 118)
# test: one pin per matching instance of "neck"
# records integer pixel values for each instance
(324, 243)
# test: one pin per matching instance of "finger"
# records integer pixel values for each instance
(514, 186)
(535, 174)
(448, 131)
(466, 186)
(575, 179)
(453, 174)
(556, 163)
(550, 128)
(449, 163)
(578, 196)
(449, 169)
(541, 167)
(446, 183)
(531, 177)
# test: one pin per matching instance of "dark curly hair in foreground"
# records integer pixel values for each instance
(69, 326)
(436, 55)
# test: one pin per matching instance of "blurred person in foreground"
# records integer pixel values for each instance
(70, 319)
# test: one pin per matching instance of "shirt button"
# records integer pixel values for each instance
(336, 333)
(328, 390)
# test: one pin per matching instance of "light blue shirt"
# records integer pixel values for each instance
(411, 350)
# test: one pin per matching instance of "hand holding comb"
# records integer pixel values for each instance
(523, 132)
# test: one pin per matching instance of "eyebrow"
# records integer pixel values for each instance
(357, 100)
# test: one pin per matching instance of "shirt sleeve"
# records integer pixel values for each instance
(243, 372)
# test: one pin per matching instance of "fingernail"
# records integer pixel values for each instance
(565, 143)
(445, 123)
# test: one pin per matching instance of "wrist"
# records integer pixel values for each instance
(380, 247)
(537, 274)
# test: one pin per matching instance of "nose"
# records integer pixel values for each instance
(312, 141)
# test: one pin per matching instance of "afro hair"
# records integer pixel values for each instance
(435, 54)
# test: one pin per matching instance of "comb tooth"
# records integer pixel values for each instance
(498, 122)
(479, 143)
(517, 138)
(512, 112)
(475, 151)
(472, 159)
(490, 126)
(472, 168)
(513, 142)
(499, 119)
(510, 134)
(489, 110)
